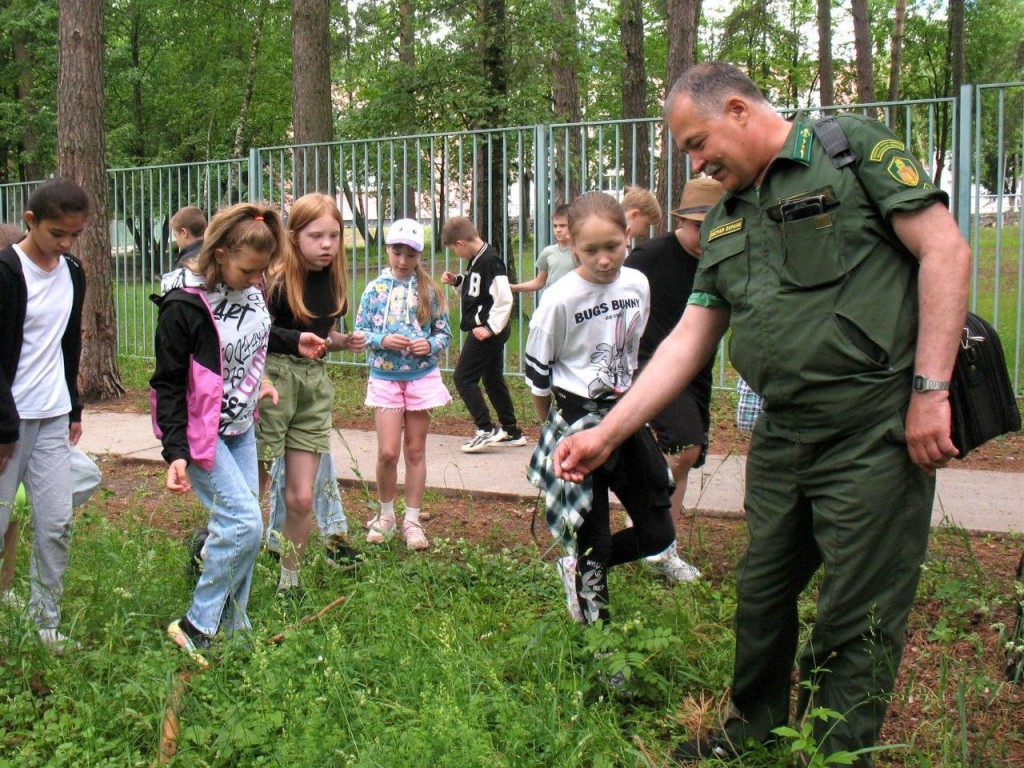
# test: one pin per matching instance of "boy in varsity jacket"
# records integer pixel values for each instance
(486, 309)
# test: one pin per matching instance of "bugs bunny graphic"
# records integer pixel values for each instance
(613, 369)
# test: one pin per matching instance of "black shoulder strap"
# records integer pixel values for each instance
(834, 141)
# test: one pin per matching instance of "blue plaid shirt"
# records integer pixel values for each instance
(748, 407)
(566, 502)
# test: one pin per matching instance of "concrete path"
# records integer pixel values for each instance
(972, 499)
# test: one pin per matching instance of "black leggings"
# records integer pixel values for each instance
(638, 475)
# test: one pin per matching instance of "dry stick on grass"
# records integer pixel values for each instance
(307, 619)
(170, 728)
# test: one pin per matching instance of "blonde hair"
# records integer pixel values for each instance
(458, 228)
(427, 289)
(243, 225)
(289, 274)
(643, 200)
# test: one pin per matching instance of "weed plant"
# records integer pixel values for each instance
(463, 656)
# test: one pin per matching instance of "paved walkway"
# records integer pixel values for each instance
(972, 499)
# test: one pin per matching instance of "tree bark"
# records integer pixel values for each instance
(683, 16)
(862, 46)
(490, 191)
(250, 84)
(635, 147)
(826, 76)
(956, 44)
(896, 51)
(565, 93)
(81, 157)
(312, 112)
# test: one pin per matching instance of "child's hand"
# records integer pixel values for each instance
(482, 334)
(356, 341)
(396, 342)
(420, 348)
(6, 451)
(448, 277)
(311, 345)
(267, 390)
(177, 477)
(75, 432)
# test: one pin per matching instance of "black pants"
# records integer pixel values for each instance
(638, 475)
(486, 360)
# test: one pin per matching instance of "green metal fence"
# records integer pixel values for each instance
(508, 181)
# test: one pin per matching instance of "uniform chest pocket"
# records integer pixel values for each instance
(812, 254)
(725, 260)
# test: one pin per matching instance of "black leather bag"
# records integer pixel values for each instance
(981, 394)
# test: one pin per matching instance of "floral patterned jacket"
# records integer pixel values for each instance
(389, 306)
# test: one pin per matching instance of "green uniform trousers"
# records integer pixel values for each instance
(860, 508)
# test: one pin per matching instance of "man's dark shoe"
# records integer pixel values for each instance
(711, 746)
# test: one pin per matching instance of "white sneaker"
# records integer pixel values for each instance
(567, 572)
(511, 442)
(275, 542)
(56, 642)
(673, 568)
(484, 439)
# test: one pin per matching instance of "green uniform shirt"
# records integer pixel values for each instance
(824, 308)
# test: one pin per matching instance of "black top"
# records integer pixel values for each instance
(670, 271)
(318, 294)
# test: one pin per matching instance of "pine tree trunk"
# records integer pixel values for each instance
(312, 112)
(81, 157)
(896, 51)
(565, 95)
(683, 16)
(635, 147)
(862, 46)
(826, 77)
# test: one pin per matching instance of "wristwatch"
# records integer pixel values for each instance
(923, 384)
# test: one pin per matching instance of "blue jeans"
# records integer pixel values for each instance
(230, 491)
(327, 506)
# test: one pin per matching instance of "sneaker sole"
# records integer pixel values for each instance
(182, 640)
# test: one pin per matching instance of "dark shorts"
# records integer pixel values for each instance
(683, 423)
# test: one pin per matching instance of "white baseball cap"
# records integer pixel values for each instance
(406, 232)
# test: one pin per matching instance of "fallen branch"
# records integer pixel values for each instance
(279, 637)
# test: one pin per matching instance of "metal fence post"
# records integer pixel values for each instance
(962, 171)
(540, 171)
(255, 186)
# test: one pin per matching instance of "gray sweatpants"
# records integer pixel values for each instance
(42, 461)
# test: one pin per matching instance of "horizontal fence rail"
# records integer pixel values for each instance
(509, 180)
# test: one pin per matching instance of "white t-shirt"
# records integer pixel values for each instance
(243, 324)
(40, 390)
(584, 336)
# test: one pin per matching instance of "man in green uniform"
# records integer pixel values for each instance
(846, 291)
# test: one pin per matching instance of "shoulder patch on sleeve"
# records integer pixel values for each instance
(904, 171)
(725, 229)
(885, 145)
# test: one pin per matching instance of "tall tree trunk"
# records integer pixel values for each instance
(896, 51)
(565, 94)
(312, 112)
(956, 45)
(81, 157)
(635, 148)
(683, 16)
(826, 76)
(491, 191)
(862, 46)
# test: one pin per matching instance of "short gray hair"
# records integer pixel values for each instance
(708, 85)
